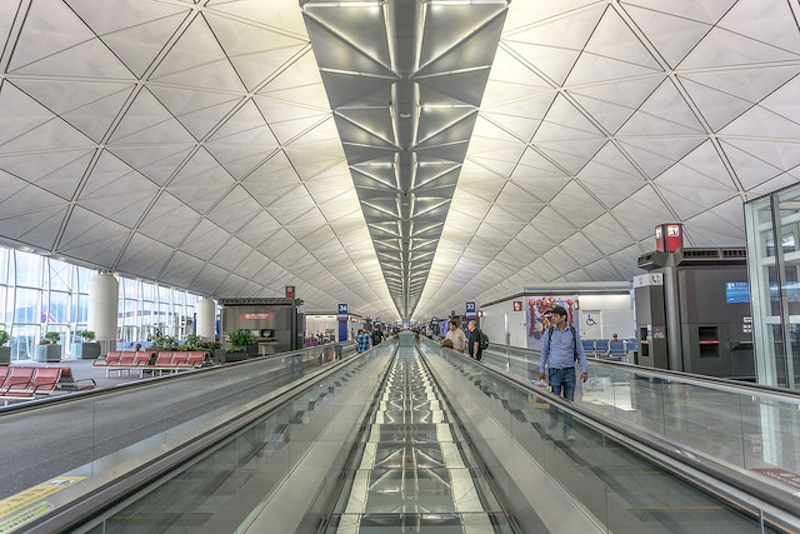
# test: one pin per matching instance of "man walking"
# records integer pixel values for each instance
(561, 347)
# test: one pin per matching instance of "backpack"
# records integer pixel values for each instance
(574, 339)
(484, 342)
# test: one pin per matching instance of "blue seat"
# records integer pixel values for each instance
(588, 347)
(631, 345)
(601, 348)
(616, 350)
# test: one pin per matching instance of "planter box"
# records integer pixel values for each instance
(235, 356)
(85, 351)
(5, 355)
(47, 353)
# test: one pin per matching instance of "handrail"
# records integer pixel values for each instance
(186, 374)
(722, 384)
(657, 448)
(737, 486)
(80, 503)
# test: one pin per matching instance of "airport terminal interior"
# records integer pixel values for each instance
(209, 207)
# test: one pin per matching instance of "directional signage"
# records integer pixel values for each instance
(471, 312)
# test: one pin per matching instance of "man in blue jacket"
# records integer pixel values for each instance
(561, 347)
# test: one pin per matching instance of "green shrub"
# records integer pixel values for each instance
(50, 338)
(4, 337)
(163, 342)
(87, 335)
(239, 339)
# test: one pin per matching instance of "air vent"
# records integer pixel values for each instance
(652, 260)
(701, 253)
(734, 253)
(710, 256)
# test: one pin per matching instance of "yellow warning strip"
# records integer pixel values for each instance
(19, 509)
(20, 518)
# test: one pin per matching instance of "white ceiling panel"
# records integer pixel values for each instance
(194, 143)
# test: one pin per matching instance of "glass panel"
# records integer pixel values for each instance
(60, 275)
(58, 311)
(81, 314)
(28, 306)
(82, 277)
(6, 274)
(147, 291)
(128, 288)
(29, 269)
(24, 339)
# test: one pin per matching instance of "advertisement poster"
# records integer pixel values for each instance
(535, 315)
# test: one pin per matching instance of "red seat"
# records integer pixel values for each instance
(164, 359)
(112, 358)
(44, 380)
(195, 359)
(68, 382)
(18, 378)
(141, 358)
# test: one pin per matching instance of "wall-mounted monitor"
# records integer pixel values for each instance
(267, 332)
(737, 292)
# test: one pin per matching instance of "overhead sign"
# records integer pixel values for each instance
(342, 314)
(267, 315)
(471, 312)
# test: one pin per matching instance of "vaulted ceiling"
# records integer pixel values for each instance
(402, 157)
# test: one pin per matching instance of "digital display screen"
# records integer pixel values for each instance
(267, 332)
(737, 292)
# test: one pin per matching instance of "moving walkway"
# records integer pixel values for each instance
(408, 436)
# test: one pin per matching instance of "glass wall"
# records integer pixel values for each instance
(40, 295)
(773, 258)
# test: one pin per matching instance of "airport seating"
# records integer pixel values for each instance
(149, 361)
(601, 349)
(125, 361)
(174, 361)
(27, 382)
(588, 347)
(69, 383)
(616, 350)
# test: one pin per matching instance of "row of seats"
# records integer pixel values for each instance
(157, 362)
(609, 349)
(26, 382)
(174, 361)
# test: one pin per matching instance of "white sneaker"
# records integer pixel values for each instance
(569, 436)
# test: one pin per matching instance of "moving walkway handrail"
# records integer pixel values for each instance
(188, 374)
(74, 505)
(734, 485)
(530, 357)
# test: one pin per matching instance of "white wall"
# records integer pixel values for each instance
(616, 316)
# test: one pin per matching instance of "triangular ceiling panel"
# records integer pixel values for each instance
(478, 147)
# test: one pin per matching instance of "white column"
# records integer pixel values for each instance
(206, 316)
(103, 306)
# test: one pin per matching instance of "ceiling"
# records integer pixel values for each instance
(371, 156)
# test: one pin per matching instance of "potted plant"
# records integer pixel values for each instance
(49, 349)
(86, 348)
(164, 342)
(5, 352)
(237, 345)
